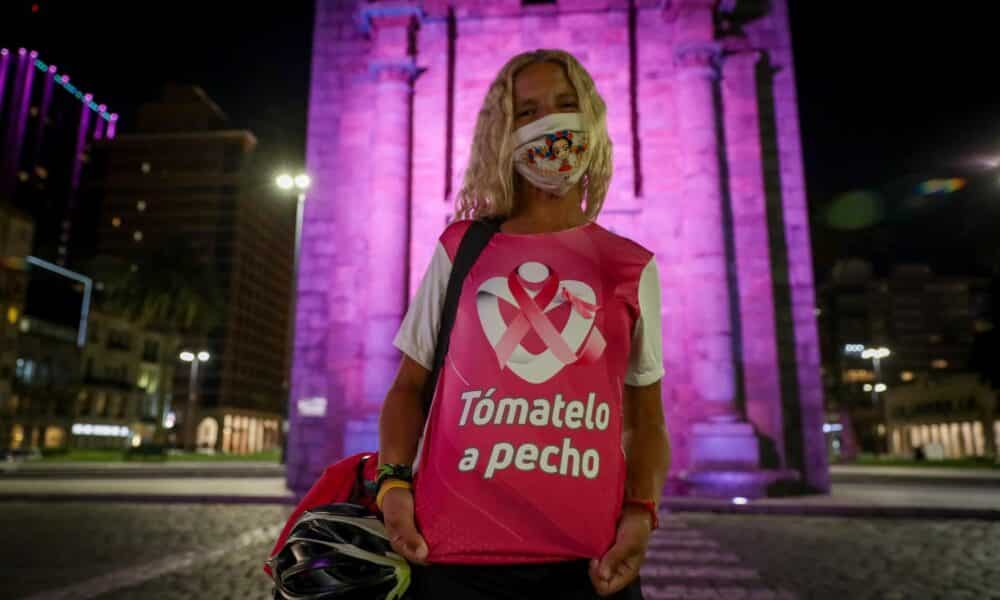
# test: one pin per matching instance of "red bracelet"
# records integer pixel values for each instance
(650, 507)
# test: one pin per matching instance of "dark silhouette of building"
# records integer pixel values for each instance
(187, 182)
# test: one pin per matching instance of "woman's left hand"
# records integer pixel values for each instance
(620, 565)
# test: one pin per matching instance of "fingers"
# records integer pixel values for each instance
(611, 561)
(405, 539)
(400, 527)
(620, 576)
(409, 544)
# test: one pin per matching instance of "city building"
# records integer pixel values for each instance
(39, 412)
(16, 230)
(187, 182)
(127, 380)
(49, 125)
(943, 416)
(926, 323)
(112, 390)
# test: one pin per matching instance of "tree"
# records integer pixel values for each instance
(171, 289)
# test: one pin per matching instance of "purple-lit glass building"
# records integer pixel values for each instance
(47, 125)
(708, 174)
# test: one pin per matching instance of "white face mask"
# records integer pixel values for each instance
(552, 152)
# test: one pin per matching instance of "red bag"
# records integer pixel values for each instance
(343, 481)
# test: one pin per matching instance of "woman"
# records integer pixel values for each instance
(540, 469)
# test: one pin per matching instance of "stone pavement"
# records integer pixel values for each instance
(829, 557)
(62, 550)
(889, 496)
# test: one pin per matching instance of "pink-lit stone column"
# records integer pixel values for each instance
(724, 449)
(807, 450)
(388, 208)
(761, 371)
(710, 343)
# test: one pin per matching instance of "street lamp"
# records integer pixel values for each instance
(195, 360)
(288, 182)
(876, 355)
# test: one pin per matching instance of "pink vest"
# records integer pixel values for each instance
(522, 458)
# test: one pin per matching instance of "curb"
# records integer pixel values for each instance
(820, 510)
(142, 474)
(669, 505)
(151, 498)
(915, 479)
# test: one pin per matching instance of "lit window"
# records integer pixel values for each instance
(858, 375)
(906, 376)
(137, 236)
(140, 205)
(116, 222)
(939, 363)
(12, 314)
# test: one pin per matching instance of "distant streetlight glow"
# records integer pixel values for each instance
(285, 181)
(880, 352)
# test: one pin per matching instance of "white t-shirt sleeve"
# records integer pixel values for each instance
(417, 334)
(645, 363)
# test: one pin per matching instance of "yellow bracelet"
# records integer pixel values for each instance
(387, 485)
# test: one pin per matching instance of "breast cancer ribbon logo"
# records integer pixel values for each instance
(535, 289)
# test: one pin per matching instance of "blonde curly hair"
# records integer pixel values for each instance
(488, 187)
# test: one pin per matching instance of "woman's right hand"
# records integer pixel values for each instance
(401, 527)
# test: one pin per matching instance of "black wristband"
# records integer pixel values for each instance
(390, 471)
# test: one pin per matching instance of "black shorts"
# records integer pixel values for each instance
(567, 580)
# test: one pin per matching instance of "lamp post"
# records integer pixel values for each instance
(194, 359)
(876, 355)
(287, 183)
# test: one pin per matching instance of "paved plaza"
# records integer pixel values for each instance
(121, 550)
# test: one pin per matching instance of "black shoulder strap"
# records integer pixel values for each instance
(475, 239)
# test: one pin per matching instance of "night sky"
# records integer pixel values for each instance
(887, 97)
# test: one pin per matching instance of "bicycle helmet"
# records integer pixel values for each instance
(338, 552)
